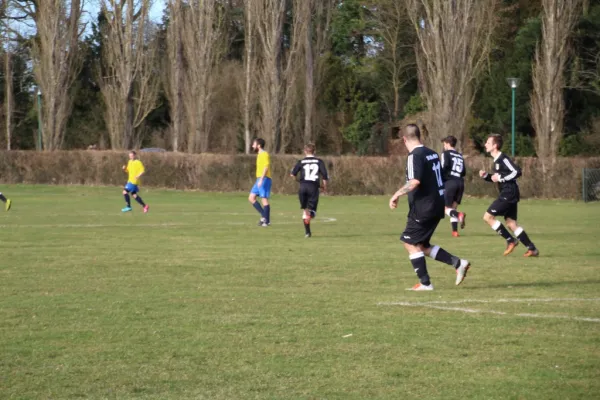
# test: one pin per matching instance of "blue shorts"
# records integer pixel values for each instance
(131, 188)
(264, 190)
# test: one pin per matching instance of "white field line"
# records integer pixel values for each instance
(436, 305)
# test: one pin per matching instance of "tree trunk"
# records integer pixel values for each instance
(8, 99)
(309, 96)
(249, 61)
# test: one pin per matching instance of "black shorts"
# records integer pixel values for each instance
(309, 197)
(419, 232)
(503, 208)
(453, 191)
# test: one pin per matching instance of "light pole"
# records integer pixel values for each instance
(40, 125)
(513, 83)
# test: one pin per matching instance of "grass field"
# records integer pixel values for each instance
(194, 301)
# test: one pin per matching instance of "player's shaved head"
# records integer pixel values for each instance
(412, 132)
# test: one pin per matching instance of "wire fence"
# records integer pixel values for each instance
(591, 184)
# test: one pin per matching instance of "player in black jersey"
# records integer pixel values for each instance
(453, 172)
(505, 174)
(425, 190)
(311, 171)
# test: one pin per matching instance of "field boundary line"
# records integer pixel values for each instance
(439, 305)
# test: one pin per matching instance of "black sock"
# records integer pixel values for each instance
(502, 231)
(420, 266)
(2, 198)
(522, 236)
(258, 207)
(454, 226)
(268, 213)
(139, 200)
(441, 255)
(127, 200)
(307, 226)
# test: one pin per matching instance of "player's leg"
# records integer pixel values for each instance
(127, 199)
(499, 207)
(511, 222)
(450, 192)
(462, 217)
(303, 198)
(312, 196)
(265, 194)
(252, 199)
(138, 198)
(438, 254)
(7, 202)
(412, 237)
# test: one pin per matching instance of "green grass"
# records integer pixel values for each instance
(194, 301)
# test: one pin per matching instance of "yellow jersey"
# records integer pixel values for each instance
(263, 161)
(134, 168)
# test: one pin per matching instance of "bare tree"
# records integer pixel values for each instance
(454, 40)
(174, 79)
(129, 82)
(203, 45)
(547, 103)
(8, 98)
(392, 23)
(57, 62)
(268, 17)
(250, 61)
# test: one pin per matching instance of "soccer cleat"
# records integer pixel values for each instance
(510, 247)
(262, 221)
(146, 208)
(126, 209)
(532, 253)
(8, 204)
(264, 224)
(419, 287)
(455, 234)
(461, 271)
(461, 218)
(306, 236)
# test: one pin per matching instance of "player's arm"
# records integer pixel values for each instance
(513, 174)
(324, 174)
(464, 169)
(296, 169)
(414, 172)
(142, 170)
(486, 176)
(265, 169)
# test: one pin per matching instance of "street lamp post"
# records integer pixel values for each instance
(40, 125)
(513, 83)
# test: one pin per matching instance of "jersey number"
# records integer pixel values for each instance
(311, 172)
(437, 168)
(457, 164)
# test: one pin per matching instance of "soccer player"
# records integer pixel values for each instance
(425, 190)
(311, 170)
(262, 186)
(135, 169)
(505, 174)
(7, 202)
(453, 172)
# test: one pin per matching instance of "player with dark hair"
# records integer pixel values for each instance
(453, 172)
(135, 170)
(311, 171)
(7, 202)
(262, 186)
(425, 190)
(505, 175)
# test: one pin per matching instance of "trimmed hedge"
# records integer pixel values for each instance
(350, 175)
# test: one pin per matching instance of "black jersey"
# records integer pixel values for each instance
(311, 169)
(453, 165)
(509, 172)
(427, 200)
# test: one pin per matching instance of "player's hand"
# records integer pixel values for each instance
(393, 202)
(260, 181)
(495, 178)
(124, 167)
(482, 173)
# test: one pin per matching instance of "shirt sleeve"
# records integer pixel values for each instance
(296, 168)
(323, 170)
(414, 167)
(514, 169)
(141, 168)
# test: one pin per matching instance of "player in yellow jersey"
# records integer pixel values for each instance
(262, 187)
(7, 202)
(135, 170)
